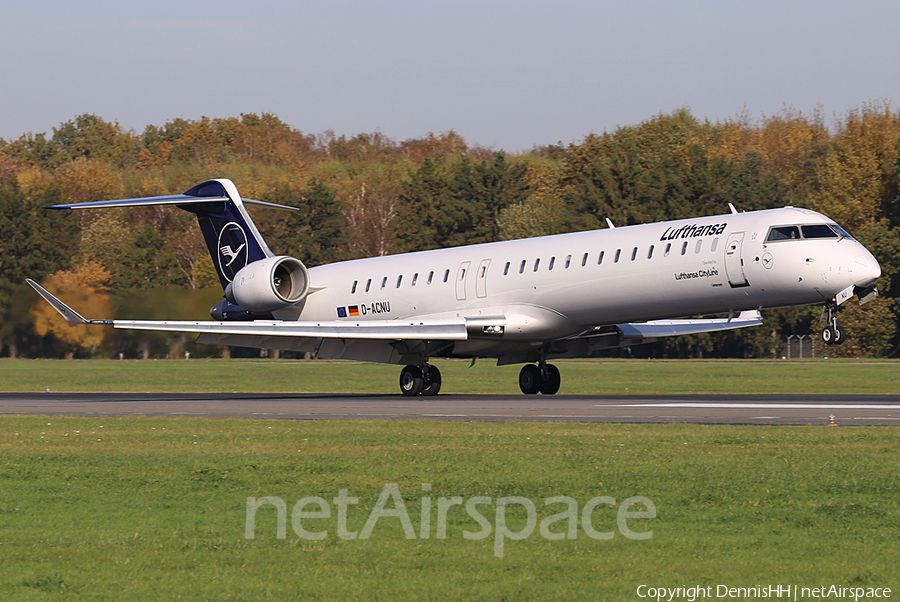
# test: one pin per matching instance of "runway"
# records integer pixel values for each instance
(699, 409)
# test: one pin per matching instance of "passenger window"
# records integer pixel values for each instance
(584, 260)
(462, 275)
(818, 231)
(506, 269)
(668, 248)
(384, 282)
(415, 278)
(600, 259)
(618, 252)
(634, 254)
(684, 248)
(483, 271)
(650, 252)
(783, 233)
(353, 289)
(522, 267)
(552, 261)
(715, 244)
(537, 264)
(399, 280)
(568, 261)
(368, 284)
(446, 275)
(699, 244)
(430, 276)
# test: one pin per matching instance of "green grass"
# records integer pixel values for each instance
(579, 377)
(154, 509)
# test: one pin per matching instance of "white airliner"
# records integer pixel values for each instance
(520, 301)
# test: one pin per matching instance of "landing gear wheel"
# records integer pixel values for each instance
(551, 380)
(411, 381)
(839, 335)
(530, 380)
(834, 335)
(432, 381)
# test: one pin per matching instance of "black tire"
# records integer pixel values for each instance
(433, 382)
(530, 380)
(839, 335)
(828, 335)
(411, 381)
(551, 380)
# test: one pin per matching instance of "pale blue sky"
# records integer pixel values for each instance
(504, 74)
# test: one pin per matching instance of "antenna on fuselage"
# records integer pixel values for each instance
(733, 210)
(610, 224)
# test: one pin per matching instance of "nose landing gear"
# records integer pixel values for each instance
(832, 334)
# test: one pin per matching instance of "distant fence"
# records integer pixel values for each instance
(801, 346)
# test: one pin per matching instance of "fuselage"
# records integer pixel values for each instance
(558, 286)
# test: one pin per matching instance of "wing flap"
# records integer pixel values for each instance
(369, 329)
(668, 328)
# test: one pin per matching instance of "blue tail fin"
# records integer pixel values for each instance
(231, 236)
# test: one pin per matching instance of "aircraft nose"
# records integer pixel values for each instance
(864, 270)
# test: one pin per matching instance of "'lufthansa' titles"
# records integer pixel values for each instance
(693, 231)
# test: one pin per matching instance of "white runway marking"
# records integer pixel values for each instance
(749, 406)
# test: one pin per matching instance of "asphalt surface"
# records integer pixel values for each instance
(701, 409)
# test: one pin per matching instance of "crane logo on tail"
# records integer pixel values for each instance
(232, 247)
(230, 254)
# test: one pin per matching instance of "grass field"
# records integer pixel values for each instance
(578, 377)
(142, 508)
(149, 509)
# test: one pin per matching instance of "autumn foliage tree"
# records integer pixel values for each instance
(367, 194)
(85, 286)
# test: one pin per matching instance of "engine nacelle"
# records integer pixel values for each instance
(269, 284)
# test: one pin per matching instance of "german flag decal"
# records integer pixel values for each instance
(354, 310)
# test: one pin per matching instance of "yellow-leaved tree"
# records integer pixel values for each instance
(856, 181)
(85, 289)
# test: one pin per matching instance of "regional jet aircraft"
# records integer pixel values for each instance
(520, 301)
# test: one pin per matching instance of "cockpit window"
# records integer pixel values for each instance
(818, 231)
(810, 231)
(841, 231)
(784, 233)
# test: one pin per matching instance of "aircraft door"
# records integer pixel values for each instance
(734, 261)
(481, 279)
(461, 280)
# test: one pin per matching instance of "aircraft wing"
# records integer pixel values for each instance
(634, 333)
(669, 328)
(432, 330)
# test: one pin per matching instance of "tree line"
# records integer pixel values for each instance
(369, 195)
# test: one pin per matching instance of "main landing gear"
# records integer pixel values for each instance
(833, 334)
(424, 380)
(543, 378)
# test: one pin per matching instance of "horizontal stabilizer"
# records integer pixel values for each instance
(172, 199)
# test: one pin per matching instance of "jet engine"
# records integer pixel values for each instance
(269, 284)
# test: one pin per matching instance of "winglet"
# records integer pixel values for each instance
(71, 316)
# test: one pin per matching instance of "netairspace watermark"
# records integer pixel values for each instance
(785, 592)
(500, 530)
